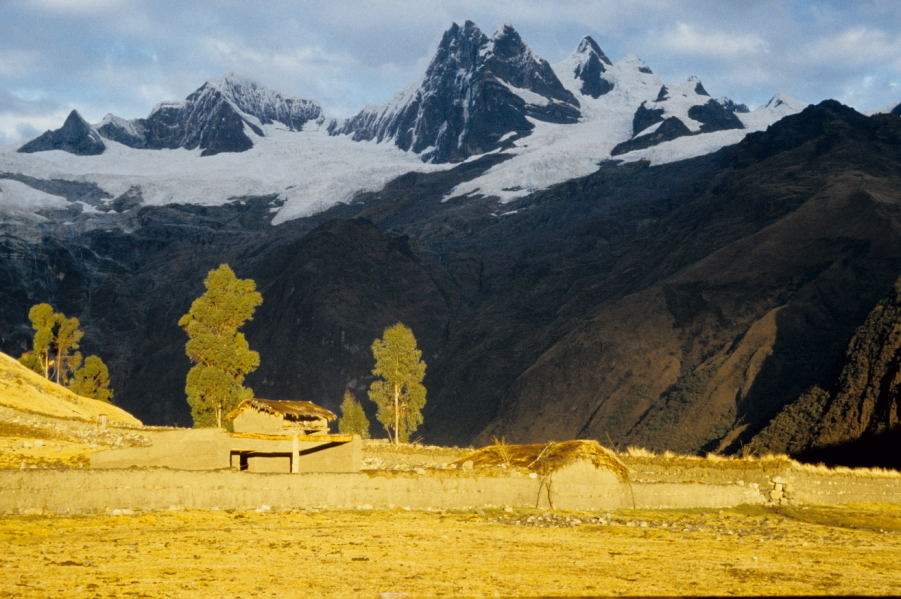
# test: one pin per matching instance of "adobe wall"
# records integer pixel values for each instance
(76, 491)
(578, 487)
(800, 487)
(212, 449)
(695, 495)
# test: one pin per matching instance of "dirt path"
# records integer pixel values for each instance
(329, 553)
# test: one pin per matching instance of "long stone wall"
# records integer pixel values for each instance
(577, 487)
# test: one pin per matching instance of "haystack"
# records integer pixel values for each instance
(544, 458)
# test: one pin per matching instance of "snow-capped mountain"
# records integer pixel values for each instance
(233, 138)
(75, 136)
(588, 65)
(685, 109)
(476, 93)
(220, 116)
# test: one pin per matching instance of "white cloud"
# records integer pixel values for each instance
(16, 128)
(688, 39)
(15, 62)
(854, 47)
(77, 6)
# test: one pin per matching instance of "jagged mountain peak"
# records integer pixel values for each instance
(232, 79)
(75, 120)
(263, 103)
(508, 37)
(475, 92)
(588, 47)
(588, 66)
(692, 86)
(76, 136)
(785, 101)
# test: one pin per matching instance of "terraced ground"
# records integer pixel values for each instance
(803, 550)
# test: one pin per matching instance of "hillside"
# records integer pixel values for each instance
(24, 390)
(44, 425)
(854, 414)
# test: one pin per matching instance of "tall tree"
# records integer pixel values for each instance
(65, 341)
(43, 321)
(353, 419)
(56, 338)
(399, 393)
(221, 355)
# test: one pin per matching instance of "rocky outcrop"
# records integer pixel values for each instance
(220, 116)
(678, 111)
(863, 401)
(476, 92)
(669, 129)
(590, 64)
(76, 136)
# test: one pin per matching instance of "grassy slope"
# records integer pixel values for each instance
(24, 390)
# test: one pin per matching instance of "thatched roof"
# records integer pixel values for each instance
(289, 410)
(545, 458)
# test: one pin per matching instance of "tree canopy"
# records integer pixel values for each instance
(92, 380)
(53, 355)
(398, 392)
(353, 419)
(221, 355)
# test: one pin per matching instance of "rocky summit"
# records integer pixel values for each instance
(220, 116)
(75, 136)
(582, 251)
(476, 92)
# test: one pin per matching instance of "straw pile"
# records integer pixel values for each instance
(544, 458)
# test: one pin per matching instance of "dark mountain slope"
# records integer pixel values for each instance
(742, 296)
(857, 408)
(678, 306)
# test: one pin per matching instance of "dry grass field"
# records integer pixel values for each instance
(800, 550)
(314, 553)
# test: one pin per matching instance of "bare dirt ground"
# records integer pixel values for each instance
(799, 550)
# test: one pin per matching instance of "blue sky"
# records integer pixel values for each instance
(124, 56)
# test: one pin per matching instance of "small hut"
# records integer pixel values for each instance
(272, 417)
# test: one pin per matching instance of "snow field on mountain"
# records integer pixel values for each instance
(18, 198)
(310, 170)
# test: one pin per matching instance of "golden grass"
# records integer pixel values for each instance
(373, 553)
(24, 390)
(768, 461)
(545, 458)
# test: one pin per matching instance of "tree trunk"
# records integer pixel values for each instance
(396, 414)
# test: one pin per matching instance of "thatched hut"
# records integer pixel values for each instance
(272, 417)
(546, 458)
